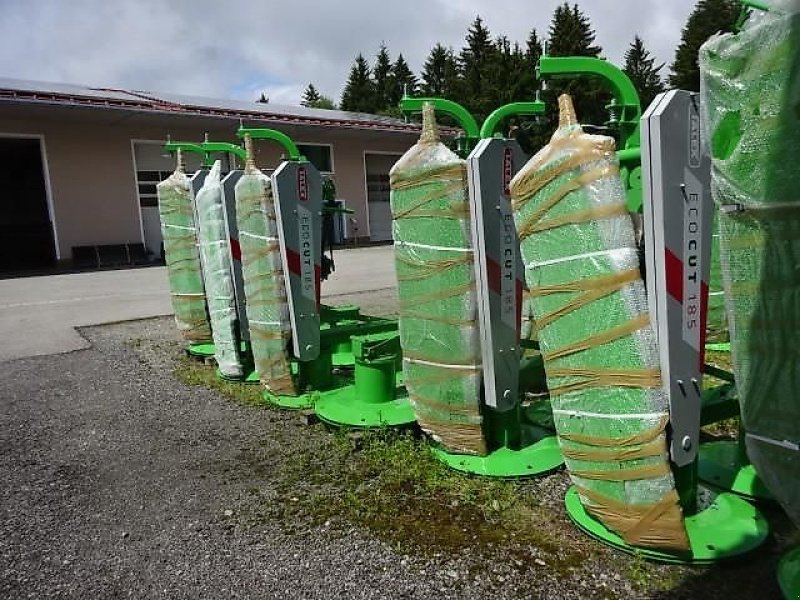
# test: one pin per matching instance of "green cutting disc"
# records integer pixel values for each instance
(301, 402)
(721, 466)
(250, 377)
(202, 350)
(539, 458)
(730, 526)
(344, 407)
(789, 575)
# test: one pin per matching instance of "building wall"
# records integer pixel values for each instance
(92, 177)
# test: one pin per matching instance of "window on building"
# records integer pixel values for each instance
(147, 182)
(319, 155)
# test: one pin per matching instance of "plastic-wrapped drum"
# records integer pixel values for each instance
(215, 257)
(182, 256)
(264, 286)
(750, 92)
(434, 260)
(600, 353)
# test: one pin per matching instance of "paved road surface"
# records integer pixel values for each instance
(38, 315)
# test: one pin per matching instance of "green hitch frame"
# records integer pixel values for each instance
(280, 138)
(465, 120)
(625, 112)
(749, 6)
(206, 149)
(492, 122)
(625, 109)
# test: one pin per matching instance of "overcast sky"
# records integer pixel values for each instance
(237, 48)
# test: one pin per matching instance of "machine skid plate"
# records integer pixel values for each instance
(729, 527)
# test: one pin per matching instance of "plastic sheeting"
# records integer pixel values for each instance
(182, 256)
(215, 256)
(751, 97)
(601, 359)
(264, 286)
(436, 285)
(716, 320)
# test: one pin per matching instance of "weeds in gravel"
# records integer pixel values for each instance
(728, 428)
(389, 482)
(192, 372)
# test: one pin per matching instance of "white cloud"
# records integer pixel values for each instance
(239, 48)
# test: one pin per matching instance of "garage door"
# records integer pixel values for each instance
(377, 167)
(25, 227)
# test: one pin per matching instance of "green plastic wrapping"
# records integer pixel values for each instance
(436, 287)
(264, 286)
(185, 276)
(601, 356)
(750, 93)
(215, 257)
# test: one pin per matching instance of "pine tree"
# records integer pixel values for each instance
(382, 77)
(263, 98)
(325, 102)
(313, 99)
(440, 73)
(533, 47)
(528, 84)
(359, 91)
(402, 80)
(310, 96)
(707, 18)
(571, 34)
(474, 68)
(639, 66)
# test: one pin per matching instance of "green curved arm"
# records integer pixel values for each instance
(747, 7)
(465, 120)
(184, 147)
(238, 151)
(535, 107)
(278, 137)
(206, 149)
(756, 4)
(626, 107)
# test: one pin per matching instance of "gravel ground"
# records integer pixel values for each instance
(119, 481)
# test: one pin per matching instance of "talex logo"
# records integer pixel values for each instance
(508, 170)
(302, 185)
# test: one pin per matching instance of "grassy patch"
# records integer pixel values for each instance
(727, 428)
(191, 371)
(389, 482)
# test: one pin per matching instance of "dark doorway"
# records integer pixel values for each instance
(25, 226)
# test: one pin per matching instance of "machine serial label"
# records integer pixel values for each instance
(692, 267)
(508, 170)
(694, 138)
(306, 247)
(302, 185)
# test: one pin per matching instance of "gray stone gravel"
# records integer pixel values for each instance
(118, 481)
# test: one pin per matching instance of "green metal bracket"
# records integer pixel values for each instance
(625, 111)
(465, 120)
(729, 527)
(236, 150)
(749, 6)
(206, 149)
(280, 138)
(376, 398)
(492, 122)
